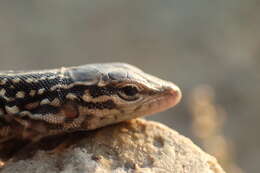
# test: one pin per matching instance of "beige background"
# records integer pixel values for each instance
(188, 42)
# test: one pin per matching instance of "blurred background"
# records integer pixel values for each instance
(210, 49)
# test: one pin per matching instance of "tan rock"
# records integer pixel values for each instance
(136, 146)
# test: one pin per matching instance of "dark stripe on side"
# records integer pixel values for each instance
(45, 109)
(98, 105)
(94, 91)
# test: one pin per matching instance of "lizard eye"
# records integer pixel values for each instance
(129, 93)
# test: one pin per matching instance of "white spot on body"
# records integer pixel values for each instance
(2, 92)
(52, 77)
(43, 78)
(41, 91)
(20, 94)
(71, 96)
(12, 110)
(45, 102)
(16, 80)
(29, 80)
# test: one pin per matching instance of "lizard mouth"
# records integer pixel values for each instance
(163, 101)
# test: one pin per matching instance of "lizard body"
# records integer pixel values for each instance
(43, 103)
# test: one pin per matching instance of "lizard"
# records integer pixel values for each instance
(36, 104)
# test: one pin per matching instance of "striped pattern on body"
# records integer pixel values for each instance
(42, 103)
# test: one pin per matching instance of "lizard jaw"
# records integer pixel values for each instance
(167, 98)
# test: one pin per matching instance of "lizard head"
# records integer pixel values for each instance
(119, 91)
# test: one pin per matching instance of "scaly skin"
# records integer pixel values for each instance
(42, 103)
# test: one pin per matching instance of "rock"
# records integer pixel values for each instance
(137, 146)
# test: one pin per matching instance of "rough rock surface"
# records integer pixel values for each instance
(137, 146)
